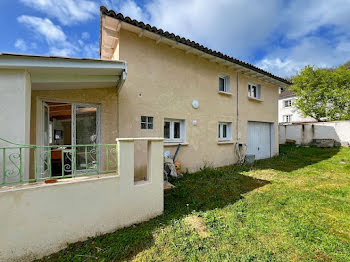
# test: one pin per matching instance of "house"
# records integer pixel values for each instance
(61, 116)
(148, 83)
(189, 94)
(287, 111)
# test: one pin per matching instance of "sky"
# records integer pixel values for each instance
(280, 36)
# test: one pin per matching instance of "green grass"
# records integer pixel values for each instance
(294, 207)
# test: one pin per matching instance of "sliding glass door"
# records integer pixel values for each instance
(71, 144)
(86, 137)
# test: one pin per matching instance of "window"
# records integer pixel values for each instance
(287, 118)
(254, 91)
(224, 84)
(287, 103)
(146, 122)
(174, 130)
(225, 131)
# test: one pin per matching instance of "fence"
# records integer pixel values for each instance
(304, 134)
(39, 219)
(54, 161)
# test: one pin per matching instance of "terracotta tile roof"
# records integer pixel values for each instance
(286, 94)
(188, 42)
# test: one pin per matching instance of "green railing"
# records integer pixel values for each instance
(33, 163)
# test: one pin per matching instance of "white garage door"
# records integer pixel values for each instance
(260, 139)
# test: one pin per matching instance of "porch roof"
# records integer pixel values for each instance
(55, 72)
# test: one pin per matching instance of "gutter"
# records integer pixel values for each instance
(122, 77)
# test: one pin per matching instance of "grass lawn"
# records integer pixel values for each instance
(294, 207)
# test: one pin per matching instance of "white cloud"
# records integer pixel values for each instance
(313, 51)
(61, 51)
(85, 35)
(227, 26)
(88, 49)
(91, 50)
(305, 32)
(130, 8)
(127, 8)
(43, 28)
(21, 45)
(286, 67)
(285, 35)
(301, 17)
(58, 42)
(66, 11)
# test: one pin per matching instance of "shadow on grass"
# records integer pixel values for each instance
(205, 190)
(292, 158)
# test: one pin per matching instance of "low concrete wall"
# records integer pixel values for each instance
(40, 219)
(305, 133)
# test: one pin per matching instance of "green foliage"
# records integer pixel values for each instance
(347, 65)
(294, 207)
(323, 94)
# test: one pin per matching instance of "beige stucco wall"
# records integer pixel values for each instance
(40, 219)
(162, 82)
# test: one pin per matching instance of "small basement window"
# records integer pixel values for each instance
(174, 130)
(254, 91)
(225, 131)
(224, 84)
(146, 122)
(287, 103)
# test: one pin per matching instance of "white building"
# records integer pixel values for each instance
(287, 111)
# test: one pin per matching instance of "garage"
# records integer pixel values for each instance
(260, 139)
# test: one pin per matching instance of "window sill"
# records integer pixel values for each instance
(225, 142)
(255, 99)
(175, 143)
(224, 93)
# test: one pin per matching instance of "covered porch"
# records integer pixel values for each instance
(59, 116)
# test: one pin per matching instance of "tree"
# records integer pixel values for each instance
(347, 65)
(323, 94)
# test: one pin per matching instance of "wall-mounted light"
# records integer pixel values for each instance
(195, 104)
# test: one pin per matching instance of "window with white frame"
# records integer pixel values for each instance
(254, 91)
(224, 84)
(287, 118)
(146, 122)
(288, 103)
(225, 131)
(174, 130)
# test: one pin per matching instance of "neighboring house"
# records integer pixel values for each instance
(287, 111)
(148, 83)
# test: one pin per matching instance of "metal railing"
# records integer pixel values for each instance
(33, 163)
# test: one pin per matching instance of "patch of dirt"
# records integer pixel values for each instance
(198, 225)
(321, 256)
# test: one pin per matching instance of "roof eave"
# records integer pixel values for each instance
(191, 44)
(22, 61)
